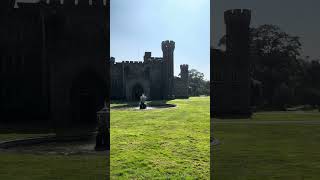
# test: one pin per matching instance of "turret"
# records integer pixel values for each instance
(147, 56)
(168, 46)
(237, 26)
(184, 71)
(168, 58)
(240, 16)
(237, 53)
(112, 60)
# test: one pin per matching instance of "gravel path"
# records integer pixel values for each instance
(266, 122)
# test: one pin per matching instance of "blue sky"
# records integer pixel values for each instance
(141, 25)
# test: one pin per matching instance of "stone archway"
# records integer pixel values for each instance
(86, 98)
(136, 92)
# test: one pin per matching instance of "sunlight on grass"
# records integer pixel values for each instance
(162, 143)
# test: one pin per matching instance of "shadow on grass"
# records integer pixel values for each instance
(26, 128)
(132, 104)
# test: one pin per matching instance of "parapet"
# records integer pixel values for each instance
(237, 15)
(132, 62)
(184, 66)
(112, 60)
(168, 45)
(147, 54)
(76, 3)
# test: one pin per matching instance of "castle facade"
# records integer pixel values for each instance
(53, 60)
(153, 76)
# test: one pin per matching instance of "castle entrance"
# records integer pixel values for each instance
(87, 97)
(137, 91)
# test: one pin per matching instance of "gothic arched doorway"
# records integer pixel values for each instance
(137, 91)
(86, 98)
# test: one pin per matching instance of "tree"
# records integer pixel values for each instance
(275, 63)
(197, 85)
(270, 39)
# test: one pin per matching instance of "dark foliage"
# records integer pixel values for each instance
(287, 78)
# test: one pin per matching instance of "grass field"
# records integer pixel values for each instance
(170, 143)
(23, 166)
(271, 145)
(16, 166)
(173, 143)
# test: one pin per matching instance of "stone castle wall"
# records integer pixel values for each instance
(61, 47)
(154, 76)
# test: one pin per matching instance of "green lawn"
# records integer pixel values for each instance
(170, 143)
(16, 166)
(23, 166)
(271, 145)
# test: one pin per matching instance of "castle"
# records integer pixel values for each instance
(230, 80)
(154, 77)
(53, 60)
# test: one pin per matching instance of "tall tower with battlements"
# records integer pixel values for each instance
(230, 69)
(238, 31)
(184, 71)
(168, 74)
(184, 74)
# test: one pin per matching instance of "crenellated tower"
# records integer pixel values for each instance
(236, 90)
(147, 56)
(184, 72)
(168, 76)
(237, 31)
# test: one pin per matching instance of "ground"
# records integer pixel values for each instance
(161, 143)
(271, 145)
(33, 166)
(174, 143)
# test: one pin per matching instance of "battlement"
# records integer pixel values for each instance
(112, 60)
(73, 3)
(147, 54)
(237, 15)
(152, 59)
(132, 62)
(168, 45)
(184, 66)
(6, 4)
(126, 62)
